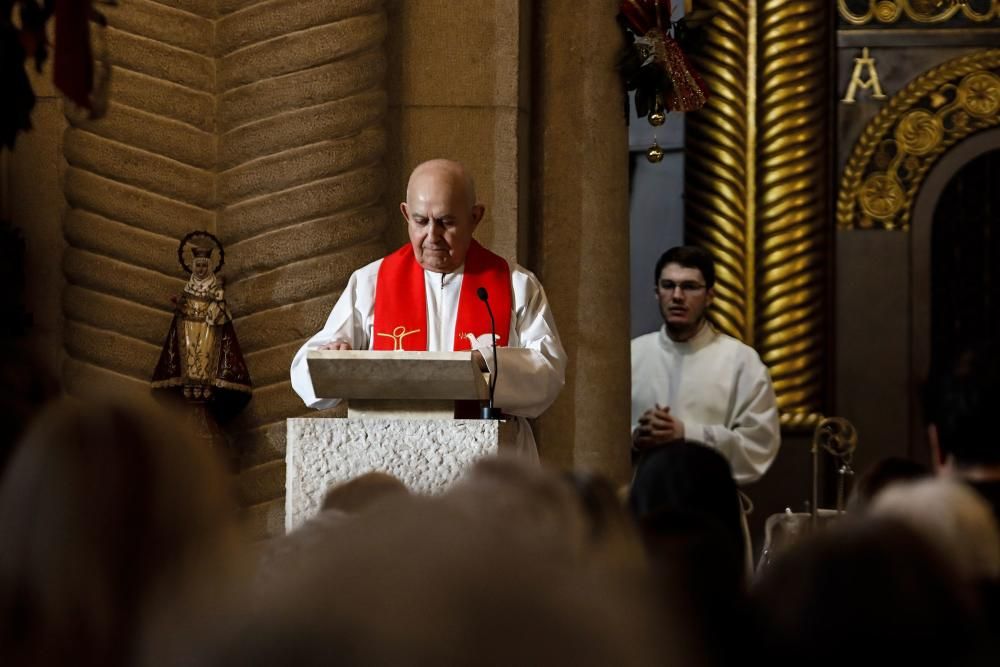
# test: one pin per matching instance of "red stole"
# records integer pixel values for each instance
(401, 302)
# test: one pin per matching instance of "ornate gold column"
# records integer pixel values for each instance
(756, 186)
(719, 182)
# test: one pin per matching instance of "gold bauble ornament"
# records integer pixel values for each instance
(657, 118)
(655, 153)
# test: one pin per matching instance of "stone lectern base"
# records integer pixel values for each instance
(425, 454)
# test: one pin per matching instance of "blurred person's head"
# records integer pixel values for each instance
(951, 516)
(106, 509)
(699, 570)
(363, 491)
(865, 586)
(960, 400)
(284, 556)
(529, 502)
(687, 505)
(450, 580)
(687, 477)
(614, 540)
(882, 473)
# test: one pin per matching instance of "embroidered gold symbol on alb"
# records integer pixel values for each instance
(397, 336)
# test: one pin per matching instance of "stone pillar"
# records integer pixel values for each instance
(580, 216)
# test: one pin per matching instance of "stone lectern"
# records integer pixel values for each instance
(402, 419)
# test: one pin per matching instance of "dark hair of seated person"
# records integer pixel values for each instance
(868, 588)
(690, 478)
(687, 505)
(363, 491)
(699, 571)
(961, 398)
(882, 473)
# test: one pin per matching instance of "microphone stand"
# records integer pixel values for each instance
(490, 412)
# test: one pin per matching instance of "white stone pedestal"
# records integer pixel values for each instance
(425, 454)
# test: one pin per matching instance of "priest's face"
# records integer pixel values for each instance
(683, 298)
(441, 214)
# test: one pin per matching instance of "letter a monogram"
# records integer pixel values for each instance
(861, 65)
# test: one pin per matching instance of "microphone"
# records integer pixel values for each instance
(490, 412)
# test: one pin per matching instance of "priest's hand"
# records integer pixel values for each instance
(657, 427)
(335, 345)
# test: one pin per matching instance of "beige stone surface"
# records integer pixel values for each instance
(381, 374)
(425, 454)
(580, 210)
(470, 105)
(486, 141)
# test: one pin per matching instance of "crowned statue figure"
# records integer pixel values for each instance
(201, 358)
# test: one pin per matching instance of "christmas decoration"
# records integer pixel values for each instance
(655, 153)
(654, 63)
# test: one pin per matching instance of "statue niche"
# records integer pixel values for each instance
(201, 358)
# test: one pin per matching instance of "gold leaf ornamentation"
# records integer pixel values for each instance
(881, 196)
(918, 11)
(919, 132)
(979, 93)
(898, 147)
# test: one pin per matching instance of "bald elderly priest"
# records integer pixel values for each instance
(423, 297)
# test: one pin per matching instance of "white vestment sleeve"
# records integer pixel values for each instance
(533, 366)
(753, 441)
(349, 321)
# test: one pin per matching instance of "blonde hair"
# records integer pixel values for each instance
(950, 515)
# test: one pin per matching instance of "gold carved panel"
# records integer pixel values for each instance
(756, 186)
(902, 142)
(918, 11)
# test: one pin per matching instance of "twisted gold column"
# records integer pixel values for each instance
(719, 178)
(792, 202)
(756, 186)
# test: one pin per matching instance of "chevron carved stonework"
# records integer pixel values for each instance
(260, 122)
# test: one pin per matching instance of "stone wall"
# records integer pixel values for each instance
(458, 87)
(261, 123)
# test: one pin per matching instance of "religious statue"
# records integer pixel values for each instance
(201, 357)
